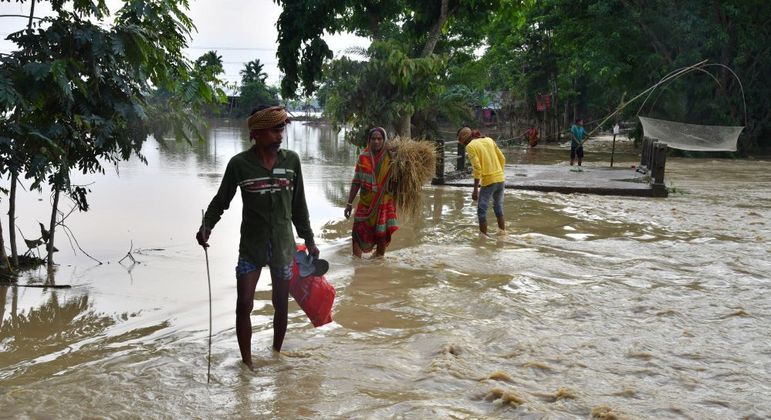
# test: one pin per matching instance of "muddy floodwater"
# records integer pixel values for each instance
(587, 306)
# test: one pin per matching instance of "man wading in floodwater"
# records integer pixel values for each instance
(487, 162)
(273, 198)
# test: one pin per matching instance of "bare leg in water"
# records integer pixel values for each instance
(381, 249)
(483, 227)
(356, 248)
(280, 308)
(357, 252)
(244, 305)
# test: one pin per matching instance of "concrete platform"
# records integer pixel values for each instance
(568, 179)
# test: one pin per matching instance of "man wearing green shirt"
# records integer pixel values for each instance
(273, 200)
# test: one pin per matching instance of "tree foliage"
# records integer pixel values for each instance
(379, 90)
(197, 92)
(75, 94)
(253, 73)
(591, 53)
(587, 54)
(253, 89)
(410, 37)
(302, 50)
(78, 91)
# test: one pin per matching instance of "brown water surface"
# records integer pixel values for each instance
(643, 308)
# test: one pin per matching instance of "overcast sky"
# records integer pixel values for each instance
(239, 30)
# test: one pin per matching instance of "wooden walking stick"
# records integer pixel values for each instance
(208, 278)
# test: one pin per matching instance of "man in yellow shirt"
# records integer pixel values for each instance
(487, 163)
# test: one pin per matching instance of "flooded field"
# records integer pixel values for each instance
(588, 306)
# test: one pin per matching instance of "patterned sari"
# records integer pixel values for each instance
(375, 217)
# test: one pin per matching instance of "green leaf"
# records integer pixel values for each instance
(37, 70)
(59, 73)
(9, 98)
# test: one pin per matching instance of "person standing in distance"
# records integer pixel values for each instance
(532, 136)
(273, 198)
(577, 138)
(487, 162)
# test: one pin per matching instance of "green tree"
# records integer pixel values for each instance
(253, 90)
(592, 53)
(209, 64)
(12, 155)
(209, 69)
(75, 94)
(380, 90)
(253, 72)
(198, 92)
(421, 29)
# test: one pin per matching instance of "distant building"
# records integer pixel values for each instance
(488, 114)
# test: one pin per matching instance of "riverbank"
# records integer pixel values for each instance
(10, 273)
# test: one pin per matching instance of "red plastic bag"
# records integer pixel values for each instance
(313, 293)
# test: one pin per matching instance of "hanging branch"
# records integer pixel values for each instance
(66, 230)
(69, 238)
(70, 234)
(23, 16)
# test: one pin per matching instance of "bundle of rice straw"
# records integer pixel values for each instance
(414, 166)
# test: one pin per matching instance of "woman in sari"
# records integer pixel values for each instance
(375, 217)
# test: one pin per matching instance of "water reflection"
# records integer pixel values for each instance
(45, 332)
(298, 391)
(4, 291)
(376, 302)
(222, 140)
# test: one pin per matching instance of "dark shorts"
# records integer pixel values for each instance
(576, 151)
(276, 272)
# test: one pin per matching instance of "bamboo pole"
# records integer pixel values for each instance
(208, 278)
(669, 77)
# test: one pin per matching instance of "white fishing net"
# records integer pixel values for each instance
(692, 136)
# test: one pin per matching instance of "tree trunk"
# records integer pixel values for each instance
(727, 55)
(405, 126)
(14, 181)
(3, 299)
(405, 123)
(52, 228)
(556, 111)
(436, 30)
(3, 255)
(12, 219)
(31, 14)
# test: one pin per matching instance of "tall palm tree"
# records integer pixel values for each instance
(252, 72)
